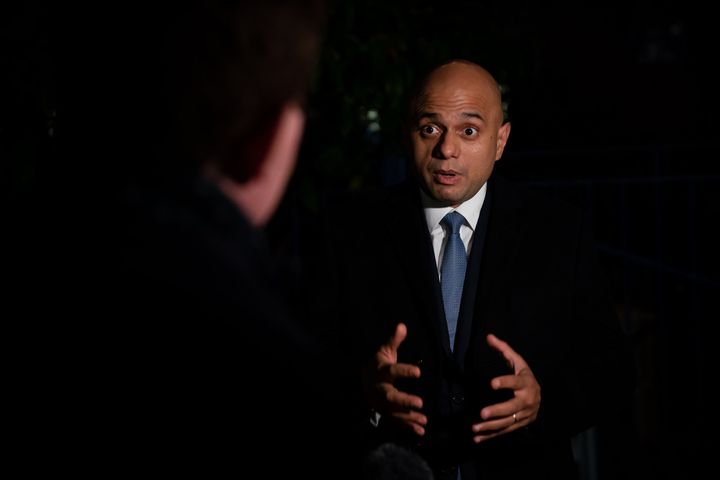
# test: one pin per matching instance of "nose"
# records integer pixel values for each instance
(446, 147)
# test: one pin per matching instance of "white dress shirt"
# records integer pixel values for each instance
(470, 209)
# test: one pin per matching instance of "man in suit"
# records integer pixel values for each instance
(488, 370)
(187, 354)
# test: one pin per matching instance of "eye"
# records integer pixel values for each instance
(429, 129)
(470, 131)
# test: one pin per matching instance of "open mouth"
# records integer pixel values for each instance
(446, 177)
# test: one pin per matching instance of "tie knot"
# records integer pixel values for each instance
(453, 220)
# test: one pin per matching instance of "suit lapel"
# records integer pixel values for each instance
(501, 242)
(470, 286)
(413, 247)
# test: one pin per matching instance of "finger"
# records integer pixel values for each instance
(500, 410)
(514, 360)
(398, 337)
(490, 431)
(416, 428)
(404, 370)
(411, 416)
(482, 438)
(397, 399)
(512, 382)
(498, 424)
(411, 423)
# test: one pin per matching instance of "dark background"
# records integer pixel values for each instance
(614, 107)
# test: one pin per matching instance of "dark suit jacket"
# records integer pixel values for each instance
(187, 355)
(532, 280)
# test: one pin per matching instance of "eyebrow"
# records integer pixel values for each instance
(433, 115)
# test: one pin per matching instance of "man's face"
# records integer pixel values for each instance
(458, 133)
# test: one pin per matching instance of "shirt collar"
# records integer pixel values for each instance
(470, 209)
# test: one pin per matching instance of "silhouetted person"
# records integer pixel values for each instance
(182, 123)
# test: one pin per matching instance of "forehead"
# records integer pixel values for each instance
(454, 89)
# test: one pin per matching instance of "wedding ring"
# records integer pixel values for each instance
(514, 418)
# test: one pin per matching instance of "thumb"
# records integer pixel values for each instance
(398, 337)
(507, 352)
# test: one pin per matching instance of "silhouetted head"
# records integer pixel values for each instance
(163, 89)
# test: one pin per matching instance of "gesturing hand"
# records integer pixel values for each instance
(380, 379)
(519, 411)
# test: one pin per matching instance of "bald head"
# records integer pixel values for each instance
(455, 78)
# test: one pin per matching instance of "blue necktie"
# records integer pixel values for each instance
(452, 274)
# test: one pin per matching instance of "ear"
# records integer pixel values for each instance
(502, 137)
(259, 196)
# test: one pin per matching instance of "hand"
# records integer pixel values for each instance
(517, 412)
(382, 394)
